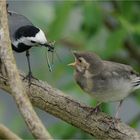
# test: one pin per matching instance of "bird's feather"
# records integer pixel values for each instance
(118, 70)
(121, 72)
(15, 22)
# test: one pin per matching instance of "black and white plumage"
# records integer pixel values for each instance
(25, 35)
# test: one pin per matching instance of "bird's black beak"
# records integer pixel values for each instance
(50, 46)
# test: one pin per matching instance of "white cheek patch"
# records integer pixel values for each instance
(87, 74)
(38, 39)
(83, 65)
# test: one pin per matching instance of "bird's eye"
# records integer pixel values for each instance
(32, 41)
(80, 60)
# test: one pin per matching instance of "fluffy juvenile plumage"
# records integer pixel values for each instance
(104, 80)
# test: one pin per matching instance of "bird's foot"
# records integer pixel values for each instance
(94, 110)
(29, 77)
(113, 123)
(97, 109)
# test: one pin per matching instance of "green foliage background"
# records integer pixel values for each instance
(109, 28)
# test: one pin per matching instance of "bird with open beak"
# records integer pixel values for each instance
(104, 80)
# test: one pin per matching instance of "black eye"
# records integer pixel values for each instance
(32, 41)
(80, 60)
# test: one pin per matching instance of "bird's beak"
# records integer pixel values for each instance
(50, 46)
(72, 64)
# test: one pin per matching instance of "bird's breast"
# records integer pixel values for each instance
(85, 83)
(103, 89)
(111, 90)
(21, 47)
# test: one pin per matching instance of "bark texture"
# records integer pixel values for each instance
(55, 102)
(52, 100)
(18, 92)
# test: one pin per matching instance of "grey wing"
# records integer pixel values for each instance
(16, 21)
(119, 71)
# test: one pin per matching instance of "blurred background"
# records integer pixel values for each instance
(109, 28)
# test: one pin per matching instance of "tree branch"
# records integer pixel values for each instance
(5, 133)
(62, 106)
(57, 103)
(17, 90)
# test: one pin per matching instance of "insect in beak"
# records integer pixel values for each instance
(49, 46)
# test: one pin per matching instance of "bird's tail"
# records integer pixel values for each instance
(136, 83)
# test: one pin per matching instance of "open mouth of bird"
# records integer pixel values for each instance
(73, 64)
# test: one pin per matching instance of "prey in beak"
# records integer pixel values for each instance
(50, 46)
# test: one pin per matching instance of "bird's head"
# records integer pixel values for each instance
(31, 36)
(87, 62)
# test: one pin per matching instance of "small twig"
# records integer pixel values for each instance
(6, 134)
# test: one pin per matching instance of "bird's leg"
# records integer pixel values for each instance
(116, 119)
(118, 110)
(29, 76)
(95, 109)
(28, 60)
